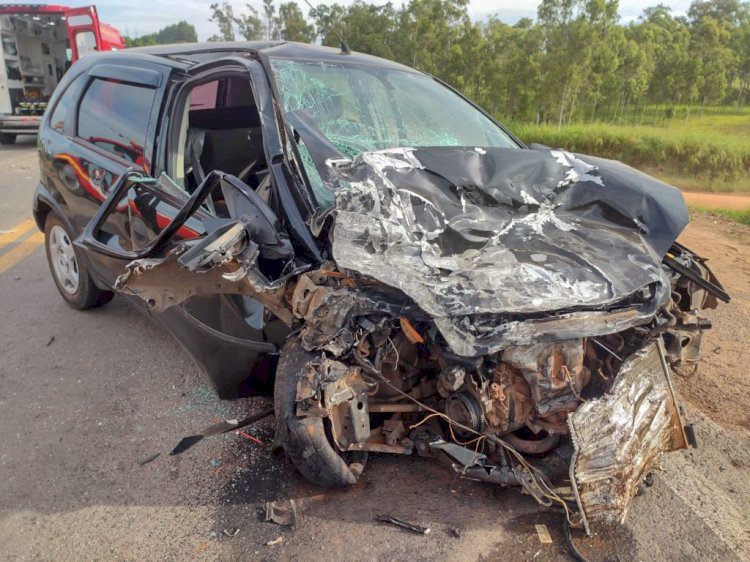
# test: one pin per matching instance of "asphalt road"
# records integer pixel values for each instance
(86, 398)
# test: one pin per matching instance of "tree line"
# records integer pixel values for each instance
(180, 32)
(576, 62)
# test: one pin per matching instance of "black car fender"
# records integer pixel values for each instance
(45, 203)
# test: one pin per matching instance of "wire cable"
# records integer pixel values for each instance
(536, 475)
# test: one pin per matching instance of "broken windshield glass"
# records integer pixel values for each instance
(350, 109)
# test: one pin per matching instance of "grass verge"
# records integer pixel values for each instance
(697, 157)
(742, 217)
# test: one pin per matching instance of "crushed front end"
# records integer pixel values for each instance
(579, 421)
(515, 314)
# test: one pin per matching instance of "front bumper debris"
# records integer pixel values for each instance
(617, 438)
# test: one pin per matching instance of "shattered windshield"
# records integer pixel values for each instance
(347, 109)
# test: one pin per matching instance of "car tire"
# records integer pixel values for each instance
(69, 271)
(7, 138)
(305, 440)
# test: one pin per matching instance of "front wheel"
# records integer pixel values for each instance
(305, 440)
(7, 138)
(68, 270)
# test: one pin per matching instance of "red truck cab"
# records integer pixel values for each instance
(39, 43)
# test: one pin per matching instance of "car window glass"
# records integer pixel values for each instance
(322, 194)
(204, 96)
(114, 116)
(61, 113)
(364, 108)
(426, 122)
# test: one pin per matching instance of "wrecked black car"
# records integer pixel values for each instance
(410, 277)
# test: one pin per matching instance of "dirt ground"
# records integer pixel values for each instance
(733, 202)
(87, 398)
(718, 389)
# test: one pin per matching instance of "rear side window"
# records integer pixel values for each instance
(225, 92)
(204, 96)
(63, 110)
(114, 116)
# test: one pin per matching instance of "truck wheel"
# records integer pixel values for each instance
(69, 271)
(7, 138)
(305, 440)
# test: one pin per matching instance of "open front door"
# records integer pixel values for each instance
(83, 31)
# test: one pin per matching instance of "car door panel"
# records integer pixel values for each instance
(112, 132)
(227, 334)
(124, 215)
(195, 292)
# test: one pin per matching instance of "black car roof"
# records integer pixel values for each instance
(189, 54)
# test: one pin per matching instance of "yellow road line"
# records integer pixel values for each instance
(16, 232)
(20, 251)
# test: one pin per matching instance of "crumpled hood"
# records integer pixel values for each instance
(482, 238)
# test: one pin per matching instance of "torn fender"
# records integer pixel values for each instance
(618, 438)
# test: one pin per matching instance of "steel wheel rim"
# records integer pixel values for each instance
(63, 258)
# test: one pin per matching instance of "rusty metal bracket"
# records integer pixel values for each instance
(162, 283)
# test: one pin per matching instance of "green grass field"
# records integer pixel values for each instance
(742, 217)
(709, 153)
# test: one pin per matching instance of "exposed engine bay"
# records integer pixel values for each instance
(518, 315)
(387, 384)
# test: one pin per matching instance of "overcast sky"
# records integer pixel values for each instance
(138, 17)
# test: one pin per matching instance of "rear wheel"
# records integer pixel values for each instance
(7, 138)
(69, 272)
(305, 440)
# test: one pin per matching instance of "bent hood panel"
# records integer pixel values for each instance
(465, 231)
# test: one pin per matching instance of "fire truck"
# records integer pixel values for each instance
(39, 43)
